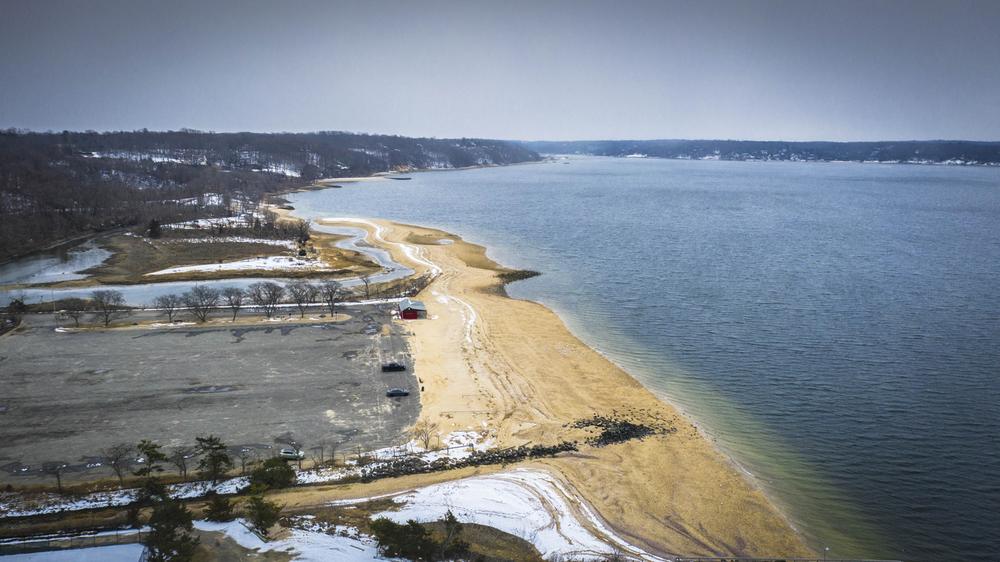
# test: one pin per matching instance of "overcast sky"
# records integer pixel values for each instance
(799, 70)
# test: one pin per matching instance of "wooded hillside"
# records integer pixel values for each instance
(914, 152)
(55, 186)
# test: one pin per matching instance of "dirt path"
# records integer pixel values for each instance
(511, 368)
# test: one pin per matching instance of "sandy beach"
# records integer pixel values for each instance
(512, 369)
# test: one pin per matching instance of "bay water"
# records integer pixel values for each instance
(833, 327)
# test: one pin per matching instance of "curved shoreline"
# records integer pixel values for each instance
(512, 371)
(483, 353)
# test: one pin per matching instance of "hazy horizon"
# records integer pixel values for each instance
(417, 136)
(560, 70)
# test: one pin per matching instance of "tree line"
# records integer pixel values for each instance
(171, 536)
(57, 186)
(260, 224)
(266, 296)
(879, 151)
(108, 305)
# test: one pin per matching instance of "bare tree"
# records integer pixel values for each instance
(270, 219)
(108, 304)
(168, 304)
(424, 432)
(179, 457)
(331, 293)
(56, 469)
(119, 457)
(318, 454)
(75, 308)
(301, 293)
(302, 230)
(366, 280)
(333, 447)
(266, 296)
(297, 446)
(247, 456)
(202, 300)
(325, 450)
(234, 299)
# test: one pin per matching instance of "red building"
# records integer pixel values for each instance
(411, 310)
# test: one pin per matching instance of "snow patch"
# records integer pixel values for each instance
(242, 221)
(290, 244)
(527, 503)
(308, 541)
(455, 446)
(269, 263)
(169, 324)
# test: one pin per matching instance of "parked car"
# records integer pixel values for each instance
(393, 366)
(291, 454)
(394, 392)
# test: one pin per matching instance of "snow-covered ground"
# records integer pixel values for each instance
(240, 221)
(269, 263)
(16, 505)
(283, 169)
(528, 503)
(290, 244)
(456, 445)
(308, 541)
(199, 157)
(153, 156)
(208, 200)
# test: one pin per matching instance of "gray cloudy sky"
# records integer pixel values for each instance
(795, 70)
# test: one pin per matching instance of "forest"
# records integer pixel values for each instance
(916, 152)
(56, 186)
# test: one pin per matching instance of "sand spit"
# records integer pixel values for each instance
(510, 371)
(488, 361)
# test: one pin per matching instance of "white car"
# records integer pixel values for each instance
(291, 454)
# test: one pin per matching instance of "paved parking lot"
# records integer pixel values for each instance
(66, 396)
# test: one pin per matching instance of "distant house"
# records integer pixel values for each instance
(410, 309)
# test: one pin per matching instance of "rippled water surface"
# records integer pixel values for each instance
(835, 327)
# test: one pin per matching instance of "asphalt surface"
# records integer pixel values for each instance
(66, 396)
